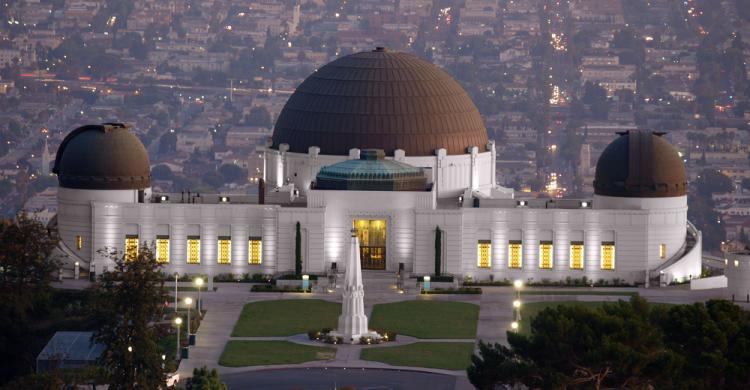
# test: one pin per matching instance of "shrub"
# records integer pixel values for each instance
(329, 339)
(295, 277)
(461, 290)
(369, 340)
(388, 335)
(437, 278)
(314, 334)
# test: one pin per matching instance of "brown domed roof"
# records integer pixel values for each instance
(640, 164)
(102, 157)
(380, 100)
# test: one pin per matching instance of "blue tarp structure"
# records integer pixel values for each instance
(68, 350)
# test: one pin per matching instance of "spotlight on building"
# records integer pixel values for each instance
(460, 200)
(521, 203)
(223, 199)
(163, 198)
(584, 204)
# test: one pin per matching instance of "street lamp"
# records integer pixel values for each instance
(199, 283)
(518, 285)
(514, 325)
(176, 275)
(188, 303)
(178, 322)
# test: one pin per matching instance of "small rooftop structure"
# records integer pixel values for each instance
(68, 350)
(371, 172)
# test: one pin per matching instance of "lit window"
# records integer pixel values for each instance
(545, 254)
(194, 250)
(79, 242)
(514, 253)
(255, 250)
(576, 255)
(131, 246)
(225, 250)
(662, 251)
(162, 249)
(608, 255)
(484, 254)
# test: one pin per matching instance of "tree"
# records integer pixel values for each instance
(438, 249)
(258, 116)
(27, 267)
(711, 181)
(167, 142)
(233, 174)
(129, 301)
(298, 249)
(623, 345)
(203, 379)
(162, 172)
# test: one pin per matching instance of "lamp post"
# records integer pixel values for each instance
(176, 275)
(199, 283)
(188, 303)
(178, 322)
(518, 285)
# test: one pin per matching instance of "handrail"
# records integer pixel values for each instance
(684, 250)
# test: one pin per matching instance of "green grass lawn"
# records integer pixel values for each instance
(286, 317)
(241, 353)
(569, 292)
(446, 356)
(427, 319)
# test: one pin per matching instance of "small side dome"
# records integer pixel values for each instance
(102, 157)
(640, 164)
(372, 172)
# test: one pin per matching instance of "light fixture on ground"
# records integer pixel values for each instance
(426, 283)
(305, 282)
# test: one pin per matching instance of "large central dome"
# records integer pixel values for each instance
(380, 100)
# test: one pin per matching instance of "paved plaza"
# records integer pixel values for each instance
(223, 308)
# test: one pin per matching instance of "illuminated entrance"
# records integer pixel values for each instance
(371, 233)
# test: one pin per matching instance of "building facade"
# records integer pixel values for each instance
(391, 145)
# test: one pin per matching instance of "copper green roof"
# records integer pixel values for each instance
(372, 172)
(380, 100)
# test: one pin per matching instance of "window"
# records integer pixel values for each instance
(662, 251)
(576, 255)
(484, 254)
(225, 250)
(131, 246)
(79, 242)
(545, 254)
(162, 249)
(255, 251)
(514, 253)
(194, 250)
(608, 255)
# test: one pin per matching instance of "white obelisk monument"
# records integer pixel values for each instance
(353, 321)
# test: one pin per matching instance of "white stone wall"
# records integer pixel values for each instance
(451, 174)
(737, 271)
(111, 220)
